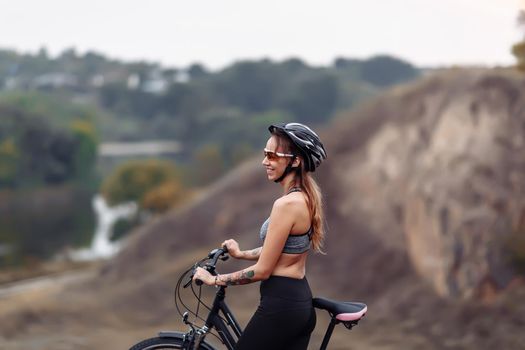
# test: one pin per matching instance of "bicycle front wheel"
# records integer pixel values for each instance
(165, 343)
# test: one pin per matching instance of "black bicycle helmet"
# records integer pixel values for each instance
(306, 140)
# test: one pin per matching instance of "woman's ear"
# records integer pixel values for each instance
(296, 162)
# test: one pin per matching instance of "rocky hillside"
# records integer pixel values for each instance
(441, 175)
(424, 188)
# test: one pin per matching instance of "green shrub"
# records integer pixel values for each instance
(154, 185)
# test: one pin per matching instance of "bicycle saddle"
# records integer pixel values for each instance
(343, 310)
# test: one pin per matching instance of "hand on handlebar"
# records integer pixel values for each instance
(204, 276)
(233, 248)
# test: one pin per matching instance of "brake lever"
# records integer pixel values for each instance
(209, 268)
(224, 256)
(191, 277)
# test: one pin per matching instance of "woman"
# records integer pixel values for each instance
(285, 315)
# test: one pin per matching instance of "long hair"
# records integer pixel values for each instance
(314, 197)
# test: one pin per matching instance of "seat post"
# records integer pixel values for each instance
(328, 333)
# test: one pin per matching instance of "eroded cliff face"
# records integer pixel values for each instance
(442, 175)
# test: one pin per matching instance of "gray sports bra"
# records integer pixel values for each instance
(295, 244)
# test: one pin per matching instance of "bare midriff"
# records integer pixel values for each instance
(291, 265)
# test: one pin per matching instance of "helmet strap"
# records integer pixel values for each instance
(286, 171)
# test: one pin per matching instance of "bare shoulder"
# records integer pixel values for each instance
(294, 202)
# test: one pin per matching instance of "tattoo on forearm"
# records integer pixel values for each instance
(236, 278)
(255, 252)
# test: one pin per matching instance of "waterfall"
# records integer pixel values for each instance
(101, 246)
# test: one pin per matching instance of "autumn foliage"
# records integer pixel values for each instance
(154, 184)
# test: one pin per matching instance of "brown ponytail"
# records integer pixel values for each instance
(315, 206)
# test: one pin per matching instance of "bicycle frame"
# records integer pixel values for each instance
(214, 320)
(225, 330)
(231, 331)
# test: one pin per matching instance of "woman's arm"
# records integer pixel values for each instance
(251, 254)
(235, 252)
(281, 222)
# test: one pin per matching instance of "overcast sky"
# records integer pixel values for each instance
(218, 32)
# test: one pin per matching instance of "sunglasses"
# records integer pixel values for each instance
(271, 155)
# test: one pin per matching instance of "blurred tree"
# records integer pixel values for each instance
(9, 158)
(197, 71)
(46, 154)
(314, 100)
(85, 149)
(36, 224)
(69, 53)
(348, 71)
(518, 50)
(42, 53)
(253, 86)
(113, 96)
(57, 111)
(142, 69)
(187, 104)
(134, 102)
(163, 197)
(171, 102)
(132, 181)
(387, 71)
(346, 63)
(294, 65)
(93, 63)
(67, 61)
(35, 151)
(170, 74)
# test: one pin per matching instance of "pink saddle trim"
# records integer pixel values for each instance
(352, 316)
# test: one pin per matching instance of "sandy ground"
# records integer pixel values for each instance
(57, 312)
(33, 302)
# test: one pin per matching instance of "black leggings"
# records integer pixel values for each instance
(284, 319)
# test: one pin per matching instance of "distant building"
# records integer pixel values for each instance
(11, 83)
(144, 148)
(55, 80)
(156, 83)
(182, 76)
(97, 80)
(133, 81)
(157, 86)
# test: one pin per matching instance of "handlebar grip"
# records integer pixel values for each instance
(197, 281)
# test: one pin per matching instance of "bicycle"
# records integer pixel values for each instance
(223, 321)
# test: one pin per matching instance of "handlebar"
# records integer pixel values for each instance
(214, 255)
(218, 253)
